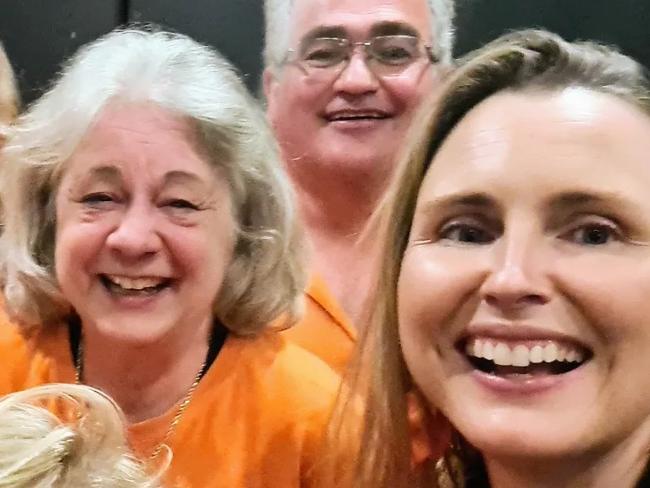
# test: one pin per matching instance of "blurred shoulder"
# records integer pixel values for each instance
(288, 372)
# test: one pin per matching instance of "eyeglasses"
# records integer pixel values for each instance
(385, 55)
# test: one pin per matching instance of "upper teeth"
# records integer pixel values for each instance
(356, 115)
(505, 354)
(135, 283)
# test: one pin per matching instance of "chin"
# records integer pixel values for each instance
(133, 332)
(538, 440)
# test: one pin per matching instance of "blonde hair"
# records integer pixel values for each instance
(266, 277)
(87, 448)
(523, 61)
(9, 97)
(277, 17)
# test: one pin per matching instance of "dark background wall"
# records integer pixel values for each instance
(39, 34)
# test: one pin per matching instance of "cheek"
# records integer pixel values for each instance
(612, 292)
(205, 252)
(77, 248)
(410, 89)
(436, 284)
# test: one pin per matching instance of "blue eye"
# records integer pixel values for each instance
(466, 234)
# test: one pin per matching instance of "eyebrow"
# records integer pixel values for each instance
(392, 28)
(107, 173)
(386, 28)
(476, 200)
(112, 175)
(336, 31)
(578, 198)
(178, 176)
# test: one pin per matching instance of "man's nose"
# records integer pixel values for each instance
(356, 77)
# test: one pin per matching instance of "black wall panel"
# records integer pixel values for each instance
(39, 34)
(234, 27)
(625, 23)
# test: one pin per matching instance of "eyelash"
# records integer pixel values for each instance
(613, 231)
(180, 204)
(97, 198)
(100, 198)
(472, 225)
(478, 233)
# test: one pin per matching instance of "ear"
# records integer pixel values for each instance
(269, 82)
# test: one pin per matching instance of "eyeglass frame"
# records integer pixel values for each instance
(427, 51)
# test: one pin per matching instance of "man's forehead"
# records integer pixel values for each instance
(359, 18)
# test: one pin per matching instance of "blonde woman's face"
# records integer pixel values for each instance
(524, 293)
(144, 227)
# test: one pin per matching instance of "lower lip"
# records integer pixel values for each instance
(511, 385)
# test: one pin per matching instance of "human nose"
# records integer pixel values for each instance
(135, 234)
(518, 273)
(356, 77)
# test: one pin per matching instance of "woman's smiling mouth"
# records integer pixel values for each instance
(123, 285)
(519, 359)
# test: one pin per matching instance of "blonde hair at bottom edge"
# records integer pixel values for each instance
(65, 436)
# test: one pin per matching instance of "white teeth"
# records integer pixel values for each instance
(521, 355)
(502, 355)
(537, 355)
(488, 350)
(134, 283)
(550, 353)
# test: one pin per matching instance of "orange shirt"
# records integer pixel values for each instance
(255, 420)
(324, 329)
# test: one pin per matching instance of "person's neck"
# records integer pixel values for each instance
(335, 211)
(144, 380)
(622, 467)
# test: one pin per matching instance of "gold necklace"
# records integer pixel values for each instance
(185, 402)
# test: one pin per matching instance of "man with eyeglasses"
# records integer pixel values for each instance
(343, 79)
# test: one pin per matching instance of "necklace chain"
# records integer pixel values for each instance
(185, 402)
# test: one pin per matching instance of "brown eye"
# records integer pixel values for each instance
(594, 234)
(466, 234)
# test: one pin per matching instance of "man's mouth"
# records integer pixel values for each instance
(356, 115)
(132, 286)
(524, 359)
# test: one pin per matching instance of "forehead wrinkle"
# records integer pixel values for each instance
(356, 17)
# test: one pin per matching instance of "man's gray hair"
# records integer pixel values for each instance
(277, 18)
(265, 279)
